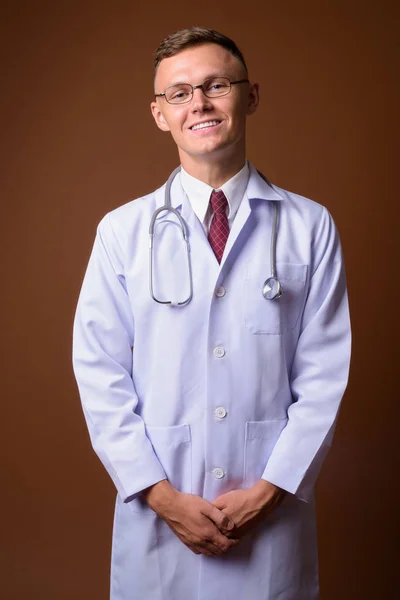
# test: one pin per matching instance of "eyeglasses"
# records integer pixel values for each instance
(214, 87)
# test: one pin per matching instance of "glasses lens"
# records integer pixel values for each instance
(216, 86)
(178, 94)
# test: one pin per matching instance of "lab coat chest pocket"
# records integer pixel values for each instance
(260, 439)
(173, 448)
(274, 316)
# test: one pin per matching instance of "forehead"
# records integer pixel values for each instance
(195, 64)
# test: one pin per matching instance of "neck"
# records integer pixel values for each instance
(215, 173)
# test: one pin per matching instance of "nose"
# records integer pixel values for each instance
(200, 102)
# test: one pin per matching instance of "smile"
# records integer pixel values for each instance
(205, 125)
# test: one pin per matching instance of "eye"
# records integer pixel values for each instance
(216, 85)
(178, 93)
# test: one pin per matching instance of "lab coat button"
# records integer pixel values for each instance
(219, 352)
(220, 292)
(220, 412)
(218, 473)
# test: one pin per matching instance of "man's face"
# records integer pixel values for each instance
(226, 136)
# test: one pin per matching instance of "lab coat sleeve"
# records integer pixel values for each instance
(319, 372)
(103, 338)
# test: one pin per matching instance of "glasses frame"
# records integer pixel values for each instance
(201, 86)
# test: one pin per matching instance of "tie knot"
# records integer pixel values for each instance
(218, 202)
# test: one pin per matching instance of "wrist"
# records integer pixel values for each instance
(160, 495)
(266, 492)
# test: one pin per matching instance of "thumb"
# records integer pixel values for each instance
(221, 520)
(219, 503)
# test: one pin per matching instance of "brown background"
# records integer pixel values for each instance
(79, 140)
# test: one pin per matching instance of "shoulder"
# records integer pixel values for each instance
(131, 215)
(303, 217)
(298, 200)
(291, 203)
(137, 208)
(313, 216)
(125, 228)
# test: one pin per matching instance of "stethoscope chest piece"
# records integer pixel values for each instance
(272, 289)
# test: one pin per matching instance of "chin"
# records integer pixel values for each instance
(212, 147)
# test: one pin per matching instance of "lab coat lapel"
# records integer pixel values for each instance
(257, 188)
(199, 244)
(239, 222)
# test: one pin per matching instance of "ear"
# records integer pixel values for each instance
(159, 117)
(253, 99)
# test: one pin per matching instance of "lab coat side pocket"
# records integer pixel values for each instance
(173, 448)
(260, 439)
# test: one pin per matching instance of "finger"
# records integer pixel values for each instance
(234, 533)
(213, 549)
(193, 548)
(203, 548)
(222, 520)
(220, 504)
(220, 548)
(222, 542)
(234, 541)
(207, 548)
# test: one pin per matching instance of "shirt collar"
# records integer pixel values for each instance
(199, 192)
(257, 187)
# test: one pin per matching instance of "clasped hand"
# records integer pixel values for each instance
(249, 507)
(212, 528)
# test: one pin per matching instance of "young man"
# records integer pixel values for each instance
(211, 379)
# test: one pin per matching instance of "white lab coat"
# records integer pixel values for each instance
(151, 378)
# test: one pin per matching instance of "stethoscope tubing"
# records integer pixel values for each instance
(169, 209)
(269, 285)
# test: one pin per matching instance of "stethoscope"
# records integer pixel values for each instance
(272, 287)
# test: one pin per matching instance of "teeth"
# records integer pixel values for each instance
(203, 125)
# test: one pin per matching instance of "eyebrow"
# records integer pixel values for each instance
(205, 79)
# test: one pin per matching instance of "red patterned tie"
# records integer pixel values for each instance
(219, 228)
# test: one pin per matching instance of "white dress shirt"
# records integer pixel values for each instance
(199, 194)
